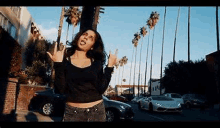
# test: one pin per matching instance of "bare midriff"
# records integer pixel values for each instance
(84, 105)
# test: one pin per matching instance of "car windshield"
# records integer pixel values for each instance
(175, 96)
(161, 98)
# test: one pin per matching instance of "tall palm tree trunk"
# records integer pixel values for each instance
(60, 27)
(145, 78)
(161, 65)
(151, 61)
(130, 72)
(189, 34)
(119, 74)
(67, 33)
(58, 42)
(174, 49)
(140, 66)
(97, 8)
(134, 70)
(87, 17)
(73, 32)
(122, 74)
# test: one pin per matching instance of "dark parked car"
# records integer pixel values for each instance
(116, 110)
(195, 100)
(49, 103)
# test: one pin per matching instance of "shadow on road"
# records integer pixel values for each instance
(31, 117)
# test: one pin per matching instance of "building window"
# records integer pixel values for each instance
(8, 26)
(16, 10)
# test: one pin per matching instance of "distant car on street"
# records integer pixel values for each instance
(49, 103)
(195, 100)
(119, 98)
(175, 96)
(160, 104)
(136, 99)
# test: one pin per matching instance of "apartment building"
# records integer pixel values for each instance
(155, 87)
(19, 23)
(125, 89)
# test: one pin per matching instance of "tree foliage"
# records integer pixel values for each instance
(189, 77)
(37, 62)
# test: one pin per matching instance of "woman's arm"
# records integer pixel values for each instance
(104, 78)
(59, 82)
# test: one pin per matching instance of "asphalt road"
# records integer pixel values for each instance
(187, 115)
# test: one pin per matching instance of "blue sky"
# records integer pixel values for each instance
(118, 25)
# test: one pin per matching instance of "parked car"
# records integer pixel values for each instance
(136, 99)
(160, 104)
(119, 98)
(175, 96)
(195, 100)
(116, 110)
(49, 103)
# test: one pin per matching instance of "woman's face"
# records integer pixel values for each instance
(86, 40)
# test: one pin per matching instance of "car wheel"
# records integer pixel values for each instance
(150, 107)
(47, 108)
(140, 106)
(110, 116)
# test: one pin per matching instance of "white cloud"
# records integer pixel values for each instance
(51, 33)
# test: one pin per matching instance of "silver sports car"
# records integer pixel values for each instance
(160, 104)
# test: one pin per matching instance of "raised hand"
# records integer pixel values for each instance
(57, 55)
(112, 60)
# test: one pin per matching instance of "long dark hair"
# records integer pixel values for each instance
(98, 53)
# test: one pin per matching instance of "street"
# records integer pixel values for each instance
(194, 115)
(187, 115)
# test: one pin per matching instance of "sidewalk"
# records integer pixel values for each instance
(30, 116)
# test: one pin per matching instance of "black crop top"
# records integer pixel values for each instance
(81, 85)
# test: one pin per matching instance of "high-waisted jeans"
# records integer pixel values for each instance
(92, 114)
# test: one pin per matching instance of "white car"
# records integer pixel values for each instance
(136, 99)
(175, 96)
(160, 104)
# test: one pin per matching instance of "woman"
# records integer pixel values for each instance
(79, 75)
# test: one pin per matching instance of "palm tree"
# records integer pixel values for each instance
(60, 26)
(135, 42)
(120, 65)
(124, 61)
(146, 63)
(189, 34)
(87, 17)
(73, 17)
(174, 49)
(143, 32)
(130, 72)
(96, 17)
(161, 65)
(154, 17)
(58, 46)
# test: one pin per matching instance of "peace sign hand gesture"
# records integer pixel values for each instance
(57, 55)
(112, 60)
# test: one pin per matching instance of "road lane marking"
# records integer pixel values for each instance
(156, 117)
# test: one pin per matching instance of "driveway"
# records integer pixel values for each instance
(31, 116)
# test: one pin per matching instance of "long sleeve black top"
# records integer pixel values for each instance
(81, 85)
